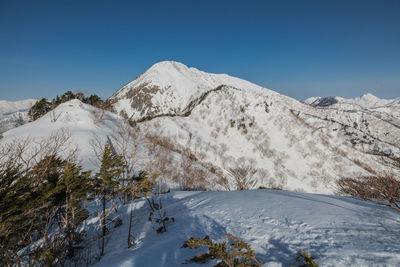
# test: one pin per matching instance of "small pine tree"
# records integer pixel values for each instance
(111, 169)
(39, 109)
(13, 225)
(75, 187)
(136, 187)
(92, 100)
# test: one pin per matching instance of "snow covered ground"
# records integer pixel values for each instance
(82, 122)
(337, 231)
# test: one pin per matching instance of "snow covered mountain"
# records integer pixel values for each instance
(226, 121)
(195, 128)
(170, 87)
(189, 120)
(14, 113)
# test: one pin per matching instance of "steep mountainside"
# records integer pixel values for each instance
(14, 113)
(226, 122)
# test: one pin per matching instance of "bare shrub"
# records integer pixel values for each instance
(193, 176)
(214, 134)
(243, 176)
(30, 151)
(222, 180)
(124, 141)
(364, 166)
(224, 147)
(382, 189)
(97, 115)
(339, 151)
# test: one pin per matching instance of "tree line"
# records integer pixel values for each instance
(43, 106)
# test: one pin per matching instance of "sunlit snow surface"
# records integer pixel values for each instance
(78, 120)
(337, 231)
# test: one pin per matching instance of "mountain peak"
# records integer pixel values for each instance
(169, 86)
(369, 96)
(168, 64)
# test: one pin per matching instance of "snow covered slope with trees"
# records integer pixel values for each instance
(190, 130)
(223, 122)
(14, 113)
(213, 131)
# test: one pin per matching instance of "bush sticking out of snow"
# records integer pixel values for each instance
(306, 259)
(231, 252)
(158, 215)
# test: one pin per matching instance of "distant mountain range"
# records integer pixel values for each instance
(388, 109)
(366, 101)
(14, 113)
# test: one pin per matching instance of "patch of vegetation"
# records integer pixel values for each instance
(233, 252)
(382, 188)
(305, 259)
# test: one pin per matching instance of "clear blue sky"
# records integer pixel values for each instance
(298, 48)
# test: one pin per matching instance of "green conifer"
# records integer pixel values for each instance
(106, 184)
(75, 187)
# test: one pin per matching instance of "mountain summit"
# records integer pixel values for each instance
(168, 87)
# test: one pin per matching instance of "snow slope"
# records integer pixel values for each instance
(13, 113)
(337, 231)
(78, 120)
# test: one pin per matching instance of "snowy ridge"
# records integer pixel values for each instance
(78, 120)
